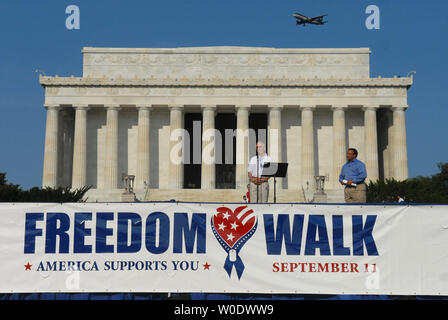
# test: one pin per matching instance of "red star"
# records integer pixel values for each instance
(28, 266)
(206, 266)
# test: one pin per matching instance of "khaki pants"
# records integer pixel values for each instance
(263, 192)
(355, 194)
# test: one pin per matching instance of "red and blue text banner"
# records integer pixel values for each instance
(241, 248)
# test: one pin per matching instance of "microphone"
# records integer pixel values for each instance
(258, 166)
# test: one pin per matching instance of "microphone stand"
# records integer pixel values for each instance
(258, 165)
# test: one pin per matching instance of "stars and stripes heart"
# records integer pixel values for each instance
(232, 229)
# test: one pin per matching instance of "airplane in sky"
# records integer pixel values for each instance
(301, 19)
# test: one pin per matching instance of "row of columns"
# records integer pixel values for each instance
(397, 141)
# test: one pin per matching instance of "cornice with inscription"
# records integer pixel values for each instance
(219, 82)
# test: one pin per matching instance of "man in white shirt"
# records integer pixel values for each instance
(254, 172)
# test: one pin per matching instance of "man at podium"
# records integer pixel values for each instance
(259, 186)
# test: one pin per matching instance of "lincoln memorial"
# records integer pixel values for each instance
(308, 106)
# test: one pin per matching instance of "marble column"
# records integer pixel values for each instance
(208, 147)
(143, 142)
(398, 140)
(388, 152)
(68, 137)
(275, 133)
(242, 145)
(176, 166)
(371, 143)
(339, 144)
(111, 158)
(275, 137)
(308, 172)
(50, 173)
(61, 132)
(79, 175)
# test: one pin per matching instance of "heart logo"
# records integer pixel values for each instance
(232, 229)
(233, 225)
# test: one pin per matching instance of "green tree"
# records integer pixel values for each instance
(14, 193)
(2, 178)
(433, 189)
(440, 180)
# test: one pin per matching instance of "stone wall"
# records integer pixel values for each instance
(226, 63)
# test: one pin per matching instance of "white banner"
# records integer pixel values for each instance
(241, 248)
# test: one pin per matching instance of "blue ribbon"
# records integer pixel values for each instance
(238, 263)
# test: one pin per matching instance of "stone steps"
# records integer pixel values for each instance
(215, 195)
(218, 195)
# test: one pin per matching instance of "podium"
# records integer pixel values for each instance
(276, 170)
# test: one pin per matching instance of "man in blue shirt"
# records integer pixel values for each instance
(352, 176)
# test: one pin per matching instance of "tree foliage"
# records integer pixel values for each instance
(2, 178)
(433, 189)
(14, 193)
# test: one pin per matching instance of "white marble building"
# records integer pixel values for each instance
(117, 119)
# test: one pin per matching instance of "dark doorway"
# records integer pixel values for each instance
(192, 148)
(225, 159)
(225, 169)
(226, 153)
(259, 123)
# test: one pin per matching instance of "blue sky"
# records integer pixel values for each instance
(33, 36)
